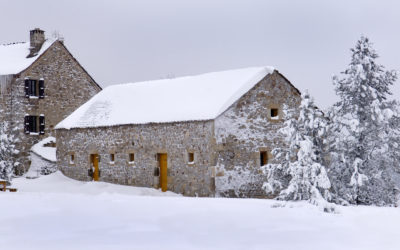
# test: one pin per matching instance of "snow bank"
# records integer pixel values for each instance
(59, 183)
(48, 153)
(201, 97)
(13, 56)
(54, 212)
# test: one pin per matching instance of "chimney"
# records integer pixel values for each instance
(36, 40)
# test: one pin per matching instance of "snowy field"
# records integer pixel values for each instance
(54, 212)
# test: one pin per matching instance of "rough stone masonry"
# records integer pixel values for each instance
(66, 87)
(225, 151)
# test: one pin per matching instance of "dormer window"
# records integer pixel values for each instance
(34, 88)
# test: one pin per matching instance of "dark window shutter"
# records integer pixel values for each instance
(41, 124)
(26, 87)
(26, 124)
(33, 124)
(41, 88)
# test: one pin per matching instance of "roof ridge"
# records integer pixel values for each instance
(12, 43)
(189, 76)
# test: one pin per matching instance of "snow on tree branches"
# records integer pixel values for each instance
(7, 151)
(359, 131)
(300, 173)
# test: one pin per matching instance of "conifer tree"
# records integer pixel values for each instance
(300, 173)
(359, 130)
(7, 152)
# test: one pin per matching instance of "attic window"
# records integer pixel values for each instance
(190, 158)
(274, 113)
(263, 158)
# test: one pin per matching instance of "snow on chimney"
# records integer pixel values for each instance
(36, 41)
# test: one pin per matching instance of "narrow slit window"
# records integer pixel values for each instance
(190, 158)
(71, 159)
(131, 158)
(274, 113)
(263, 158)
(112, 158)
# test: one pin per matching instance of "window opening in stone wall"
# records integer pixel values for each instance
(34, 125)
(34, 88)
(274, 113)
(191, 158)
(112, 158)
(131, 158)
(263, 158)
(71, 159)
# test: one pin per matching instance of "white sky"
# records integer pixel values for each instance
(126, 41)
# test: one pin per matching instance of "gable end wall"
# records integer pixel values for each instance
(67, 86)
(244, 130)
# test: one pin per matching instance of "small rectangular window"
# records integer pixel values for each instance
(274, 113)
(71, 159)
(131, 158)
(190, 158)
(263, 158)
(112, 158)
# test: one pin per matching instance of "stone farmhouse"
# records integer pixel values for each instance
(205, 135)
(41, 83)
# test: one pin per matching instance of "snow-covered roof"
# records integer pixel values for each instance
(13, 57)
(191, 98)
(48, 153)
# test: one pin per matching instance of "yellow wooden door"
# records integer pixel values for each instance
(163, 172)
(95, 161)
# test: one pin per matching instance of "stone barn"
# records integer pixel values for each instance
(41, 83)
(205, 135)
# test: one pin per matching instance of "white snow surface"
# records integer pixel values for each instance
(48, 153)
(201, 97)
(13, 56)
(55, 212)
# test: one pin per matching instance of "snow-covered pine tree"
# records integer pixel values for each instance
(358, 131)
(7, 151)
(300, 173)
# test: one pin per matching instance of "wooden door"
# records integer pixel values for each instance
(163, 172)
(95, 164)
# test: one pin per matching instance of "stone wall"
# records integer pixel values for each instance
(67, 86)
(41, 166)
(247, 128)
(145, 141)
(227, 149)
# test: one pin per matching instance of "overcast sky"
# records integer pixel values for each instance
(127, 41)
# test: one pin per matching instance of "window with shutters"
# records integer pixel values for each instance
(34, 88)
(34, 124)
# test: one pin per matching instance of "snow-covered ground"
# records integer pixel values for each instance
(54, 212)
